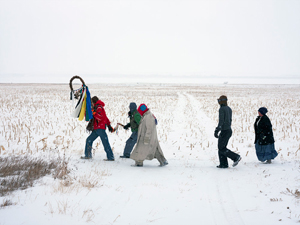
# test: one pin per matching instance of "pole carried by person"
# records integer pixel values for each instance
(92, 109)
(99, 126)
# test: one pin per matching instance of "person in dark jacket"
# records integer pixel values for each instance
(135, 119)
(100, 123)
(264, 139)
(225, 117)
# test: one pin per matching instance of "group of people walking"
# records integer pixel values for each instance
(264, 140)
(144, 135)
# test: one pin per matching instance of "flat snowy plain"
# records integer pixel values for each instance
(36, 122)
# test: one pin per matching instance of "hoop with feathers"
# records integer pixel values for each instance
(77, 92)
(83, 107)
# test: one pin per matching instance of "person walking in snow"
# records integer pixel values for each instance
(147, 146)
(224, 125)
(100, 123)
(264, 139)
(135, 119)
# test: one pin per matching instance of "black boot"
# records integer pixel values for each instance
(222, 167)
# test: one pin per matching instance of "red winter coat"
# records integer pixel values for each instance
(101, 119)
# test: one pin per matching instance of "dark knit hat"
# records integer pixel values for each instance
(132, 106)
(142, 109)
(222, 100)
(263, 110)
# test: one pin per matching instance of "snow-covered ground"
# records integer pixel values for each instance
(35, 121)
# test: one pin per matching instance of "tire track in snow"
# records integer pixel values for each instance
(185, 132)
(178, 115)
(188, 116)
(206, 125)
(222, 201)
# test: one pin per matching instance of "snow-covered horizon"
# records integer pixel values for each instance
(153, 79)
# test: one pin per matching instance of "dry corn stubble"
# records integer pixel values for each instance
(43, 124)
(21, 172)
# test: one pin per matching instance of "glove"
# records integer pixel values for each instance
(217, 132)
(127, 126)
(110, 129)
(129, 114)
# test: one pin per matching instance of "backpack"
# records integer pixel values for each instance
(90, 126)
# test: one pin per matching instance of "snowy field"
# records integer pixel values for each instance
(36, 122)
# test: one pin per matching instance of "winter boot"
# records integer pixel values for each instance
(237, 161)
(164, 163)
(222, 167)
(139, 164)
(108, 160)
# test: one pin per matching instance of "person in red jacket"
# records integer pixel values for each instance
(100, 123)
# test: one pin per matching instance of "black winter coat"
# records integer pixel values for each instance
(263, 131)
(225, 117)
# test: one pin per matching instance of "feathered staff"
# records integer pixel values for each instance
(84, 106)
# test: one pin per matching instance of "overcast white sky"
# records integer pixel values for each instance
(144, 38)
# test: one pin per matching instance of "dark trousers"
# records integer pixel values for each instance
(224, 152)
(103, 136)
(130, 144)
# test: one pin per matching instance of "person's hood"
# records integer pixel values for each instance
(99, 102)
(142, 109)
(132, 107)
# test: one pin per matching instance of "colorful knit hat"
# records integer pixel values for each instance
(142, 109)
